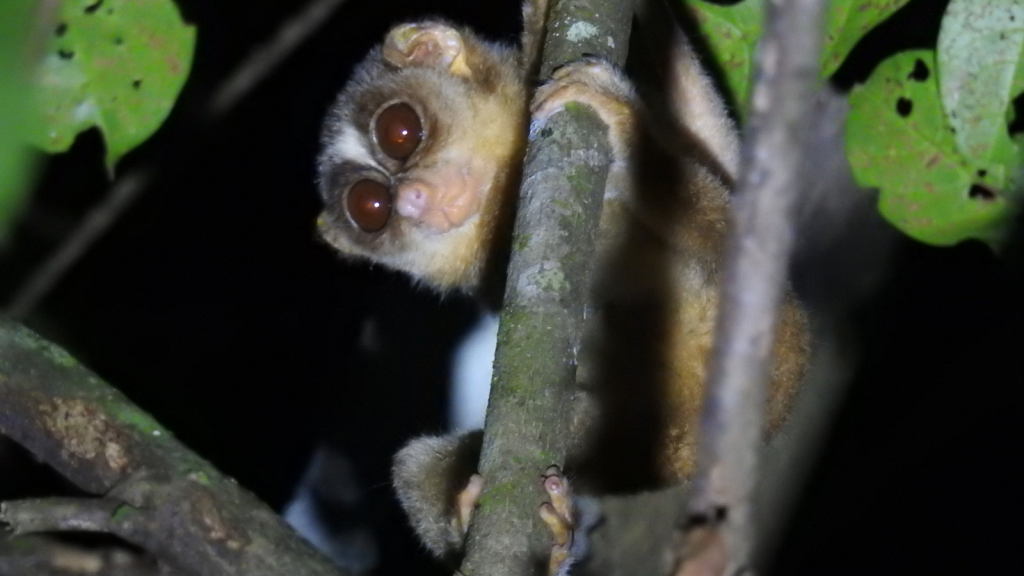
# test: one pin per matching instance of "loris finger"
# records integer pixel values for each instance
(595, 83)
(467, 501)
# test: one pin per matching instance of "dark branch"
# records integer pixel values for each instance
(62, 515)
(158, 494)
(49, 556)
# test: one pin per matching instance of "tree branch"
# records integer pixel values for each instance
(62, 515)
(719, 512)
(156, 493)
(48, 556)
(528, 416)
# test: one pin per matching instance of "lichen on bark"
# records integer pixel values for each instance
(529, 411)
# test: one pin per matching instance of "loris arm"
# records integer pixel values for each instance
(437, 486)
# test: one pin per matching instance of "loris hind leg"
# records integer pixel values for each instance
(689, 350)
(679, 195)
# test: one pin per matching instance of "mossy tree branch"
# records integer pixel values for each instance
(156, 493)
(528, 416)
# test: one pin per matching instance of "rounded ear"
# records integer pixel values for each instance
(426, 44)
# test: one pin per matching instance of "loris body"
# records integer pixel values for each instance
(420, 171)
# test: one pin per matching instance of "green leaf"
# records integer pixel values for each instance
(114, 64)
(1017, 87)
(847, 22)
(899, 141)
(979, 51)
(15, 22)
(732, 33)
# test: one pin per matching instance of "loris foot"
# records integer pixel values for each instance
(595, 83)
(569, 526)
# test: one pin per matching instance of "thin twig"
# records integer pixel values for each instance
(262, 60)
(60, 515)
(260, 63)
(757, 258)
(99, 219)
(49, 556)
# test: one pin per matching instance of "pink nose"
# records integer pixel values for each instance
(412, 199)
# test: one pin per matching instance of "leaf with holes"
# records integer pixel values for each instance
(732, 33)
(899, 141)
(847, 22)
(114, 64)
(979, 50)
(15, 22)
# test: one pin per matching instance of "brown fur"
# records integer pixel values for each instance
(654, 299)
(480, 115)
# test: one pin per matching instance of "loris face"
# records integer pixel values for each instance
(421, 155)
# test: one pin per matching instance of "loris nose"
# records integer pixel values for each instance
(421, 202)
(412, 198)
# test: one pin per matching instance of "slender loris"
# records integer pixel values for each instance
(419, 172)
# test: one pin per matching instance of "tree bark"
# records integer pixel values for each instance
(528, 415)
(156, 493)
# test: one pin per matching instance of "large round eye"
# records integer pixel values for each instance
(369, 205)
(398, 131)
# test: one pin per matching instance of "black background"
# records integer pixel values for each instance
(213, 305)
